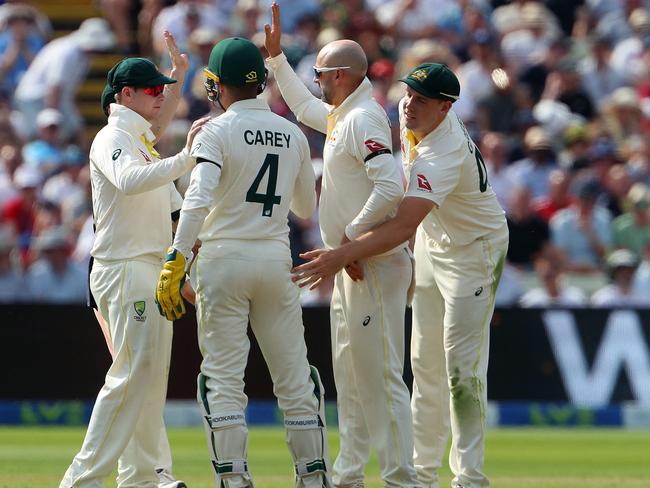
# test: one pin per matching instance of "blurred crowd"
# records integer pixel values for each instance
(556, 94)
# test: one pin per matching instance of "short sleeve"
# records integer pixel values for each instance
(210, 144)
(368, 136)
(434, 178)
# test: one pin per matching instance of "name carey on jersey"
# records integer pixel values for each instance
(266, 138)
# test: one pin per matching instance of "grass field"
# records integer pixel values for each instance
(551, 458)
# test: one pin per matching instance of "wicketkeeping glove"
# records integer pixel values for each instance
(168, 292)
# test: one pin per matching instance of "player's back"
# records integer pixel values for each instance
(262, 158)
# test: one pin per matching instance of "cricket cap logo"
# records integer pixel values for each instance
(419, 75)
(251, 77)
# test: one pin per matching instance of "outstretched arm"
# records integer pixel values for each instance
(323, 263)
(174, 91)
(307, 108)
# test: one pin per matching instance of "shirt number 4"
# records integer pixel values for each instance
(269, 198)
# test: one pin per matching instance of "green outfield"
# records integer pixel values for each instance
(557, 458)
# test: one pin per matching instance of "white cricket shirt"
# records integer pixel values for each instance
(447, 168)
(257, 167)
(361, 185)
(132, 190)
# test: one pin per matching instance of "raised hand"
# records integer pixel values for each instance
(273, 32)
(180, 62)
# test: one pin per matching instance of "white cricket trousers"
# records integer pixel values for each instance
(237, 280)
(367, 323)
(126, 421)
(452, 309)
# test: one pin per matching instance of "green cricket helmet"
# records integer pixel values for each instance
(234, 62)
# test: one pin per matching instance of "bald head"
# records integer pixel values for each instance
(345, 52)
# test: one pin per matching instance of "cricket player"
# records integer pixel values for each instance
(133, 198)
(460, 247)
(361, 188)
(252, 167)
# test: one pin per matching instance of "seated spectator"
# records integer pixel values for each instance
(54, 277)
(617, 184)
(19, 44)
(598, 76)
(12, 286)
(553, 290)
(631, 230)
(627, 56)
(576, 146)
(529, 234)
(583, 230)
(10, 160)
(20, 212)
(621, 266)
(46, 153)
(494, 151)
(558, 197)
(622, 114)
(533, 171)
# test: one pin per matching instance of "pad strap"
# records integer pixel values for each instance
(231, 467)
(304, 468)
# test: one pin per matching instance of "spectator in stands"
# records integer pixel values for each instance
(617, 184)
(553, 290)
(181, 19)
(558, 197)
(583, 230)
(19, 44)
(501, 110)
(53, 78)
(598, 76)
(55, 278)
(529, 233)
(576, 146)
(628, 52)
(622, 114)
(494, 151)
(632, 229)
(12, 286)
(621, 266)
(10, 160)
(530, 36)
(533, 171)
(474, 73)
(20, 212)
(46, 152)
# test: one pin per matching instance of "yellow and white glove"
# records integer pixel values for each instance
(168, 292)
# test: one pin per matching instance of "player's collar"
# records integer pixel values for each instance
(251, 103)
(363, 92)
(132, 122)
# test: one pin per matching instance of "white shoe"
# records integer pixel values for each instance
(166, 480)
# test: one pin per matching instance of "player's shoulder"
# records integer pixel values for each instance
(111, 137)
(455, 135)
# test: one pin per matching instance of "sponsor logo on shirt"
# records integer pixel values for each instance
(366, 321)
(116, 154)
(374, 146)
(423, 183)
(196, 148)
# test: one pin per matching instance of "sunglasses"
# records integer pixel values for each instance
(154, 91)
(318, 71)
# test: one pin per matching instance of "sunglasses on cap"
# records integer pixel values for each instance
(318, 71)
(153, 91)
